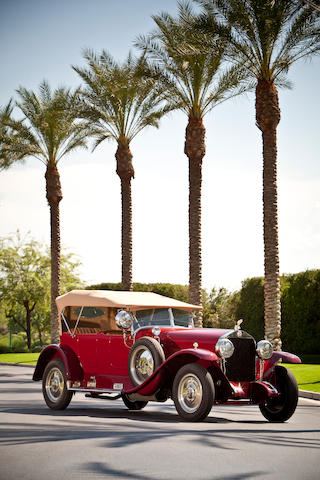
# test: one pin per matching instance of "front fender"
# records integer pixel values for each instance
(284, 356)
(165, 373)
(71, 363)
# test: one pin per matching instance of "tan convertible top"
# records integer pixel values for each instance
(110, 298)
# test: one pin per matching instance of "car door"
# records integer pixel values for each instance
(113, 361)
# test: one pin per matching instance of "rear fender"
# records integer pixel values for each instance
(284, 356)
(71, 363)
(165, 373)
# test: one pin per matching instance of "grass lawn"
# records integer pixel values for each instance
(19, 357)
(308, 376)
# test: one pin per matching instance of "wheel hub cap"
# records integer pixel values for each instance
(54, 384)
(142, 364)
(190, 393)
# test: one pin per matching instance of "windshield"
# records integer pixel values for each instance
(162, 317)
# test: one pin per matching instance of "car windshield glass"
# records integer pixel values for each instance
(181, 318)
(161, 317)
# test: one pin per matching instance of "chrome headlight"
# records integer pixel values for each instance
(124, 319)
(224, 348)
(264, 349)
(156, 331)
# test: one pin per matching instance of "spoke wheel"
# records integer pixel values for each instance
(193, 392)
(54, 387)
(282, 408)
(145, 356)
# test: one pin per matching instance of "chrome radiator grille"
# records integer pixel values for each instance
(241, 367)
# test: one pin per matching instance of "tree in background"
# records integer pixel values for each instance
(49, 131)
(195, 81)
(220, 308)
(267, 37)
(24, 270)
(119, 103)
(250, 306)
(25, 284)
(6, 135)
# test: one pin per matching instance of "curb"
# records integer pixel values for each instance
(19, 364)
(307, 394)
(302, 393)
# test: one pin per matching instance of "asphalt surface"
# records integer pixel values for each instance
(97, 439)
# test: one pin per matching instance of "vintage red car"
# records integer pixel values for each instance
(142, 347)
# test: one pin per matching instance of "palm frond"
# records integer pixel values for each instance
(266, 37)
(51, 127)
(187, 64)
(118, 99)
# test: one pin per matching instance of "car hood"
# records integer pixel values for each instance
(174, 340)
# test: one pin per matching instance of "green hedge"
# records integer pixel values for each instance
(300, 310)
(300, 304)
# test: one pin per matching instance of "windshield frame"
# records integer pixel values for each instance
(171, 323)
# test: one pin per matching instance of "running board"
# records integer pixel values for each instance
(102, 397)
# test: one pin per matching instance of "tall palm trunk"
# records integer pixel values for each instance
(126, 173)
(268, 117)
(195, 151)
(54, 196)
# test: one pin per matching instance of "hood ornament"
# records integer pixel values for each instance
(237, 328)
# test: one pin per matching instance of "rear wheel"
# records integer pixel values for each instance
(138, 405)
(54, 386)
(283, 407)
(193, 392)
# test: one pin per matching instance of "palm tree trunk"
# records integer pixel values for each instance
(54, 196)
(126, 173)
(195, 151)
(268, 117)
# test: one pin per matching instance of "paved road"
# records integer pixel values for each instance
(100, 440)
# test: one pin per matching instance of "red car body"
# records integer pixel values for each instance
(98, 363)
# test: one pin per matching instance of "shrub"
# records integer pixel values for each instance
(5, 349)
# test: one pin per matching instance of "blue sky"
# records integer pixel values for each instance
(41, 39)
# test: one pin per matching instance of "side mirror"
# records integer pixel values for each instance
(124, 319)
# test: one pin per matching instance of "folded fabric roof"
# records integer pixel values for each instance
(119, 299)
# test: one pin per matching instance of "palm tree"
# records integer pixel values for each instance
(48, 132)
(6, 136)
(195, 81)
(268, 37)
(119, 103)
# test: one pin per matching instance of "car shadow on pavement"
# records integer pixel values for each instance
(106, 471)
(119, 412)
(120, 428)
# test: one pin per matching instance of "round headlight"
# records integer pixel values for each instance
(124, 319)
(224, 348)
(156, 331)
(264, 349)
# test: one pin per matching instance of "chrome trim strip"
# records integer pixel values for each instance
(97, 390)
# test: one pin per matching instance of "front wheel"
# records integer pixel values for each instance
(283, 407)
(54, 386)
(193, 392)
